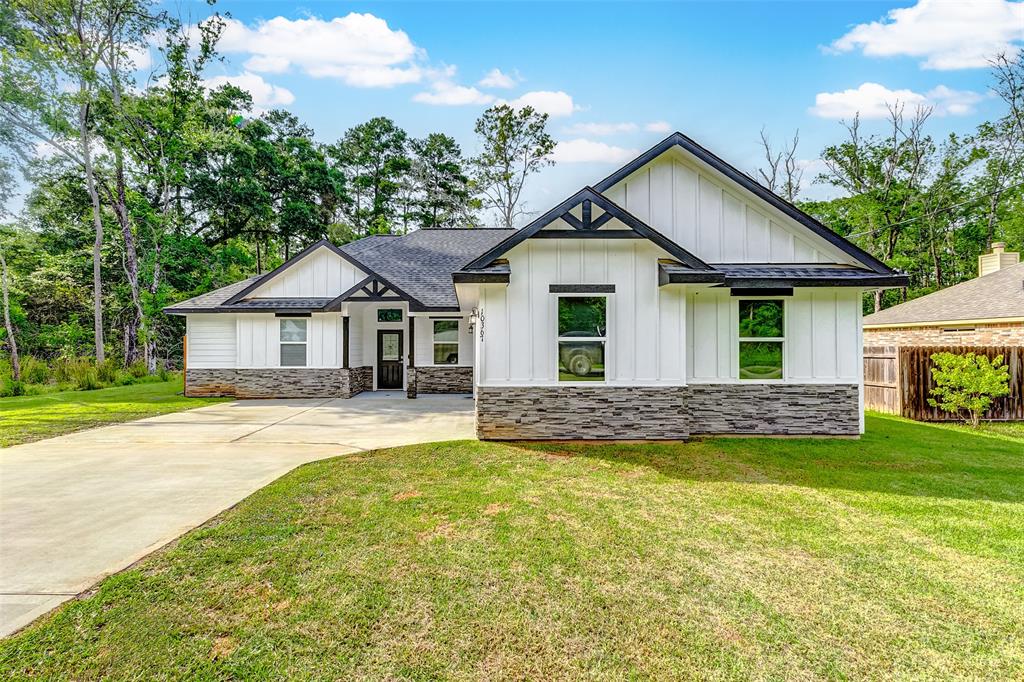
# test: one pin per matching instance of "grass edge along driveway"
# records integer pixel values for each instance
(24, 419)
(899, 555)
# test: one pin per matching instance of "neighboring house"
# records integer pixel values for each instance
(675, 297)
(985, 311)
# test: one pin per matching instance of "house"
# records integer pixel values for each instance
(985, 311)
(675, 297)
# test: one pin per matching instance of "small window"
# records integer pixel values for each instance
(762, 335)
(389, 315)
(293, 342)
(582, 335)
(446, 342)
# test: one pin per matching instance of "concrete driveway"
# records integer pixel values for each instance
(79, 507)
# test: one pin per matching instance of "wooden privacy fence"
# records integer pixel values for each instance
(898, 380)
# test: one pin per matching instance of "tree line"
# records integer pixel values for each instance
(145, 190)
(165, 189)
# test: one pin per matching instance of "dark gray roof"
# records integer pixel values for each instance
(421, 263)
(212, 299)
(797, 274)
(994, 296)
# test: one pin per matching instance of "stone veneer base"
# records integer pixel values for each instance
(665, 413)
(279, 382)
(439, 379)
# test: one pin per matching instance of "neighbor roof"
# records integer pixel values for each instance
(999, 295)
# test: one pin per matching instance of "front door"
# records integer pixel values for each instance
(389, 358)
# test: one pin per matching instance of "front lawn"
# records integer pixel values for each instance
(28, 418)
(897, 556)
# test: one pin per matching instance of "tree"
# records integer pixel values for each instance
(968, 383)
(12, 343)
(45, 45)
(440, 182)
(782, 173)
(373, 157)
(514, 145)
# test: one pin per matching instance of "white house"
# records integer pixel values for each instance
(675, 297)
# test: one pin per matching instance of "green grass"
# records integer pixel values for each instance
(29, 418)
(897, 556)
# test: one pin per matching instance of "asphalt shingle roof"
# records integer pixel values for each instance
(421, 263)
(996, 295)
(212, 299)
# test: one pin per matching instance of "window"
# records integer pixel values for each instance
(762, 335)
(582, 333)
(389, 315)
(293, 342)
(446, 342)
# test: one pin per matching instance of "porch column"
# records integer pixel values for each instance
(344, 342)
(410, 377)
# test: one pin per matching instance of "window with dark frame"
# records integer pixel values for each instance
(389, 314)
(293, 342)
(446, 342)
(762, 338)
(582, 337)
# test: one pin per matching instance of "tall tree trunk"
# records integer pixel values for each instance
(12, 344)
(97, 222)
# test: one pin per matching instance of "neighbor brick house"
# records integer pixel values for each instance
(985, 311)
(676, 296)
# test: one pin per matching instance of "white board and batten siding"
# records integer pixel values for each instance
(715, 219)
(259, 337)
(320, 274)
(646, 325)
(212, 341)
(822, 336)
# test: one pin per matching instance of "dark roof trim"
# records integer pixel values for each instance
(242, 309)
(871, 282)
(292, 261)
(674, 274)
(751, 185)
(595, 197)
(481, 277)
(781, 291)
(380, 287)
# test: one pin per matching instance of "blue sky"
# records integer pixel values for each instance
(617, 76)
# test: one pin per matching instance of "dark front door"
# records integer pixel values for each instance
(389, 358)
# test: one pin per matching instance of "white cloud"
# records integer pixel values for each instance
(600, 129)
(495, 78)
(554, 104)
(588, 151)
(944, 35)
(264, 94)
(872, 100)
(658, 127)
(446, 93)
(359, 49)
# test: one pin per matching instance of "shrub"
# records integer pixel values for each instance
(164, 373)
(138, 369)
(34, 370)
(968, 383)
(106, 371)
(88, 380)
(9, 387)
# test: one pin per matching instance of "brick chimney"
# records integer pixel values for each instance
(996, 259)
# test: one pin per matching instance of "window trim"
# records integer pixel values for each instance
(281, 343)
(765, 339)
(608, 321)
(434, 342)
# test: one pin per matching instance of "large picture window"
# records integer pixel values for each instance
(293, 342)
(762, 335)
(446, 342)
(582, 336)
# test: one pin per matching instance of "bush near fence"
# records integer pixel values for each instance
(898, 380)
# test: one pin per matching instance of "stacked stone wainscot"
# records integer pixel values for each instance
(439, 379)
(279, 382)
(665, 413)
